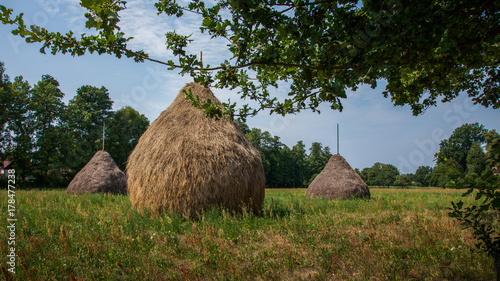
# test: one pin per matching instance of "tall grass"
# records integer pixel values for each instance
(396, 235)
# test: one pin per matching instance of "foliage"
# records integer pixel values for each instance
(299, 156)
(285, 167)
(317, 159)
(380, 174)
(123, 132)
(396, 235)
(49, 141)
(425, 50)
(444, 172)
(422, 175)
(483, 216)
(403, 180)
(5, 96)
(457, 146)
(476, 159)
(492, 148)
(17, 135)
(462, 154)
(85, 116)
(47, 108)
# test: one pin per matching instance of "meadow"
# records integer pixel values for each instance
(398, 234)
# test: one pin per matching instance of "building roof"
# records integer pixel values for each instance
(6, 164)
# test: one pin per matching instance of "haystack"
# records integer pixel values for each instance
(338, 180)
(101, 174)
(186, 162)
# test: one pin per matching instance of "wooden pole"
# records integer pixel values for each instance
(201, 61)
(103, 128)
(337, 138)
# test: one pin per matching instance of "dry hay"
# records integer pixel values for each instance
(338, 180)
(101, 174)
(186, 162)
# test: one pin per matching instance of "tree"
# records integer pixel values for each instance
(365, 174)
(380, 174)
(123, 132)
(270, 150)
(426, 50)
(422, 175)
(458, 145)
(369, 175)
(444, 172)
(492, 148)
(84, 117)
(47, 106)
(5, 115)
(21, 127)
(476, 160)
(402, 180)
(317, 159)
(16, 136)
(299, 157)
(482, 216)
(285, 167)
(388, 174)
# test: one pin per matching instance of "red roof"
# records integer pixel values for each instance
(6, 164)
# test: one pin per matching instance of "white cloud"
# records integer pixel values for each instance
(140, 20)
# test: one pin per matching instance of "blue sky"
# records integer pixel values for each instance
(371, 128)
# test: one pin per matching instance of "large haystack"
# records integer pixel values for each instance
(101, 174)
(338, 180)
(186, 162)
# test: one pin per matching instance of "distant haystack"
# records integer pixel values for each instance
(101, 174)
(186, 162)
(338, 180)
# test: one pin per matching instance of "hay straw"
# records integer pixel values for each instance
(101, 174)
(186, 162)
(338, 180)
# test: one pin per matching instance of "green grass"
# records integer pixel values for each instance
(397, 235)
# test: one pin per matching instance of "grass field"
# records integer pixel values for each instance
(396, 235)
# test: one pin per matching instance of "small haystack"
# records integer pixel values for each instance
(186, 162)
(338, 181)
(101, 174)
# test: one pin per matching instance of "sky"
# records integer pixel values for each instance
(371, 128)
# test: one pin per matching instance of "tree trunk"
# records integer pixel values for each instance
(497, 265)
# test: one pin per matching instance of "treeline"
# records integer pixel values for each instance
(386, 175)
(49, 141)
(287, 167)
(471, 149)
